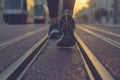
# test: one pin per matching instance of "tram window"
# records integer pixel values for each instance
(38, 10)
(12, 4)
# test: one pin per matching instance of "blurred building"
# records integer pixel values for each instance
(1, 19)
(118, 11)
(106, 4)
(0, 6)
(99, 10)
(106, 7)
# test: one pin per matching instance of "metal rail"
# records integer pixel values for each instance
(95, 69)
(20, 38)
(15, 70)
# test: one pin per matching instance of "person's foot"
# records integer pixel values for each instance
(53, 31)
(66, 30)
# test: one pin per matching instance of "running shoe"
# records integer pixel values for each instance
(66, 30)
(53, 31)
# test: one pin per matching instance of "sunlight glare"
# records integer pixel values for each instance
(80, 4)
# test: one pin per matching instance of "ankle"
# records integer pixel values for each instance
(67, 11)
(54, 20)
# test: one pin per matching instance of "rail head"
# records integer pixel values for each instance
(99, 68)
(8, 72)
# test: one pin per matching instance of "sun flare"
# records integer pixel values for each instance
(80, 4)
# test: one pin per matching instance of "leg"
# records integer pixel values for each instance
(68, 4)
(53, 11)
(53, 8)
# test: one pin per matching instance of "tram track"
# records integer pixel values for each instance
(20, 38)
(104, 38)
(94, 69)
(93, 66)
(17, 68)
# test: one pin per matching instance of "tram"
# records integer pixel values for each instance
(18, 11)
(40, 14)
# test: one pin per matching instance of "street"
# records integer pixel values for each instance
(30, 51)
(104, 42)
(55, 63)
(12, 47)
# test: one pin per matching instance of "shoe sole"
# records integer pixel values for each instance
(67, 38)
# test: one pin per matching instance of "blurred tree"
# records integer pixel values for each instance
(100, 12)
